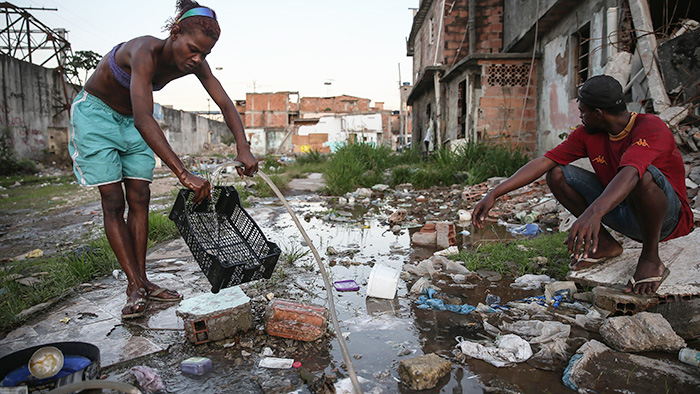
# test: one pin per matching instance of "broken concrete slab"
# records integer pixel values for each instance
(312, 183)
(643, 332)
(598, 369)
(679, 255)
(646, 42)
(423, 372)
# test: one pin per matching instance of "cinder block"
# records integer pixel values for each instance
(212, 317)
(620, 303)
(295, 320)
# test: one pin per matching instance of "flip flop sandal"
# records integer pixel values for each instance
(133, 306)
(154, 295)
(659, 279)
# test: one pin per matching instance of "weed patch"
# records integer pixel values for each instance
(9, 164)
(519, 257)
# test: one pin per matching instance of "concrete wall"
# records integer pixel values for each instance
(32, 103)
(32, 100)
(558, 108)
(187, 132)
(519, 18)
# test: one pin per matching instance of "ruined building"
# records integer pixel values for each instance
(509, 70)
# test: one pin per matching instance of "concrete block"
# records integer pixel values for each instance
(620, 304)
(423, 372)
(422, 238)
(295, 320)
(212, 317)
(443, 234)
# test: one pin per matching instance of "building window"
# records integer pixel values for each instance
(431, 31)
(581, 43)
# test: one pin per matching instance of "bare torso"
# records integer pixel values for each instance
(103, 85)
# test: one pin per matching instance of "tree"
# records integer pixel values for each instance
(82, 60)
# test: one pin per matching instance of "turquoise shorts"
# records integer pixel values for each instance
(104, 144)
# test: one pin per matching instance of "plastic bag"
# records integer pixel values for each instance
(508, 350)
(531, 282)
(148, 379)
(536, 331)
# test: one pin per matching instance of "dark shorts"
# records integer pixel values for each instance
(621, 218)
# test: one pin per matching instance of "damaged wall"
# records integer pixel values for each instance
(32, 101)
(580, 32)
(331, 132)
(32, 106)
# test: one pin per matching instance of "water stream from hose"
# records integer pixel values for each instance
(324, 274)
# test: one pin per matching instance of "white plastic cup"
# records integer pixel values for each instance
(383, 281)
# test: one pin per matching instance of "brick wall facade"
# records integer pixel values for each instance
(337, 104)
(269, 109)
(504, 88)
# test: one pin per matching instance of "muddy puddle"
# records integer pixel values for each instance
(379, 332)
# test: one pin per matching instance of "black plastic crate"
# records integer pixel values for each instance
(225, 241)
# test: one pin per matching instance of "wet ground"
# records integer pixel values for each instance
(379, 333)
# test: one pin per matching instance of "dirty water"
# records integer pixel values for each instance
(379, 333)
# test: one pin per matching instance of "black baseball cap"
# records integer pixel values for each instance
(601, 91)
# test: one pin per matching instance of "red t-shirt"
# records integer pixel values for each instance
(649, 141)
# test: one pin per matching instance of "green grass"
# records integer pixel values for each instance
(65, 271)
(508, 258)
(364, 165)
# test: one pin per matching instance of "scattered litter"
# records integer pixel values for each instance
(492, 299)
(276, 363)
(566, 379)
(447, 252)
(464, 216)
(530, 229)
(508, 350)
(331, 251)
(526, 217)
(426, 301)
(297, 364)
(564, 291)
(485, 309)
(346, 285)
(383, 281)
(34, 254)
(267, 352)
(531, 282)
(420, 285)
(65, 320)
(465, 232)
(119, 275)
(689, 356)
(148, 379)
(196, 365)
(270, 296)
(536, 331)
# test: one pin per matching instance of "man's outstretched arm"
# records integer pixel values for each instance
(525, 175)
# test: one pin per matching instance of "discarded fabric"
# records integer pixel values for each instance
(426, 301)
(508, 350)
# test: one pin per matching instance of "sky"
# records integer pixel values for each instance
(357, 46)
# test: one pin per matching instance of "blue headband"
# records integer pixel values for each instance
(199, 11)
